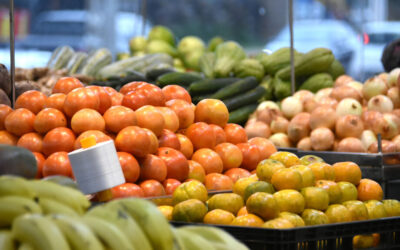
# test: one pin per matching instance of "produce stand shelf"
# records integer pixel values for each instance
(331, 236)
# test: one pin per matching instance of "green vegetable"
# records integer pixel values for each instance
(336, 69)
(282, 88)
(17, 161)
(178, 78)
(206, 64)
(153, 74)
(192, 60)
(251, 96)
(196, 99)
(240, 116)
(95, 61)
(214, 42)
(227, 55)
(268, 85)
(249, 67)
(76, 60)
(122, 55)
(137, 43)
(235, 88)
(159, 46)
(210, 85)
(190, 44)
(277, 60)
(317, 82)
(162, 33)
(60, 57)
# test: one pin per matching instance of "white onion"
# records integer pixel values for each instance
(389, 126)
(380, 103)
(373, 87)
(299, 127)
(322, 139)
(367, 138)
(251, 121)
(393, 76)
(328, 101)
(349, 126)
(393, 94)
(356, 85)
(371, 118)
(387, 147)
(304, 144)
(342, 80)
(396, 141)
(323, 117)
(257, 129)
(267, 105)
(396, 112)
(280, 140)
(325, 92)
(385, 77)
(351, 144)
(309, 105)
(345, 91)
(303, 95)
(348, 106)
(279, 125)
(291, 106)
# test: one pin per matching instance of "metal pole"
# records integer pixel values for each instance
(144, 15)
(292, 78)
(12, 54)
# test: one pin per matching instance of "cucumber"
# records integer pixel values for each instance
(235, 88)
(153, 74)
(210, 85)
(112, 83)
(60, 57)
(95, 61)
(75, 62)
(240, 115)
(251, 96)
(196, 99)
(178, 78)
(135, 76)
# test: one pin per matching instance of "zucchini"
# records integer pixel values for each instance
(236, 88)
(95, 61)
(178, 78)
(251, 96)
(210, 85)
(60, 57)
(240, 115)
(75, 62)
(153, 74)
(118, 68)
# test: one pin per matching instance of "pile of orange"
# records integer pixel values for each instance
(162, 138)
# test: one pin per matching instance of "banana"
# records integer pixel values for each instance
(125, 223)
(77, 233)
(150, 219)
(40, 232)
(50, 206)
(219, 238)
(6, 240)
(25, 246)
(13, 185)
(187, 240)
(108, 233)
(13, 206)
(68, 196)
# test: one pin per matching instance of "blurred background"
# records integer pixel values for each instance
(355, 30)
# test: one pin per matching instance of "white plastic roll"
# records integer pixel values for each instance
(96, 168)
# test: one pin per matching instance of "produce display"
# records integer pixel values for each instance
(47, 216)
(345, 118)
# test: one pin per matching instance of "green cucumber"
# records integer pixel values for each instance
(198, 98)
(240, 115)
(251, 96)
(210, 85)
(236, 88)
(178, 78)
(135, 76)
(153, 74)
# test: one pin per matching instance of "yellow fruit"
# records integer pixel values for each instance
(295, 219)
(338, 213)
(314, 217)
(347, 171)
(349, 191)
(357, 209)
(190, 190)
(287, 158)
(191, 210)
(266, 168)
(278, 223)
(333, 189)
(230, 202)
(289, 200)
(218, 216)
(392, 207)
(315, 198)
(258, 186)
(376, 209)
(166, 211)
(263, 205)
(287, 178)
(363, 241)
(322, 171)
(241, 184)
(307, 175)
(248, 220)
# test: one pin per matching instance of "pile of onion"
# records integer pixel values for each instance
(349, 126)
(299, 127)
(322, 139)
(351, 144)
(373, 87)
(323, 116)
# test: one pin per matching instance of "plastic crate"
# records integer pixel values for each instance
(330, 236)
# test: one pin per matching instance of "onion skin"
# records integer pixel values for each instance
(349, 106)
(349, 126)
(367, 138)
(371, 119)
(309, 105)
(351, 144)
(299, 127)
(325, 92)
(328, 101)
(303, 95)
(380, 103)
(388, 126)
(396, 141)
(323, 117)
(373, 87)
(280, 140)
(322, 139)
(396, 112)
(394, 95)
(387, 147)
(279, 125)
(342, 92)
(291, 106)
(305, 144)
(257, 129)
(342, 80)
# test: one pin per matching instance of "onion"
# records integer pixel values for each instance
(396, 112)
(356, 85)
(351, 144)
(387, 147)
(299, 127)
(342, 92)
(303, 95)
(348, 106)
(268, 104)
(264, 115)
(280, 140)
(328, 101)
(251, 121)
(323, 93)
(304, 144)
(389, 126)
(309, 105)
(291, 106)
(373, 87)
(323, 117)
(393, 94)
(342, 80)
(367, 138)
(393, 76)
(380, 103)
(279, 125)
(349, 126)
(257, 129)
(371, 118)
(385, 77)
(396, 141)
(322, 139)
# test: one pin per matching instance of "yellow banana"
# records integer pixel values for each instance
(108, 233)
(125, 223)
(77, 233)
(50, 206)
(13, 185)
(25, 246)
(190, 241)
(150, 219)
(6, 240)
(68, 196)
(13, 206)
(40, 232)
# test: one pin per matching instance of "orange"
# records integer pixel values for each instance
(58, 139)
(216, 181)
(278, 223)
(66, 84)
(315, 198)
(266, 168)
(7, 138)
(357, 209)
(190, 190)
(248, 220)
(201, 135)
(151, 118)
(130, 166)
(87, 119)
(196, 171)
(49, 118)
(392, 207)
(349, 191)
(235, 133)
(295, 219)
(57, 164)
(287, 178)
(307, 175)
(4, 111)
(218, 216)
(347, 171)
(230, 202)
(176, 162)
(186, 146)
(31, 141)
(376, 209)
(369, 190)
(212, 111)
(258, 186)
(55, 101)
(322, 171)
(288, 159)
(289, 200)
(134, 140)
(209, 159)
(242, 211)
(20, 121)
(39, 161)
(80, 98)
(152, 188)
(338, 213)
(263, 205)
(97, 134)
(119, 117)
(237, 173)
(309, 159)
(176, 92)
(333, 189)
(362, 241)
(32, 100)
(240, 185)
(251, 155)
(191, 210)
(313, 217)
(230, 154)
(183, 110)
(266, 147)
(104, 98)
(166, 211)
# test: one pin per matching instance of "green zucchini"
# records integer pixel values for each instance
(178, 78)
(210, 85)
(60, 57)
(251, 96)
(119, 68)
(235, 88)
(76, 61)
(95, 61)
(241, 115)
(153, 74)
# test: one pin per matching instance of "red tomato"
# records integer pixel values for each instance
(127, 190)
(170, 185)
(177, 164)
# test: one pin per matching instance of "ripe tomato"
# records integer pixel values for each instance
(230, 154)
(219, 134)
(7, 138)
(104, 97)
(134, 100)
(177, 164)
(4, 111)
(186, 145)
(57, 164)
(49, 118)
(235, 133)
(183, 110)
(39, 163)
(97, 134)
(196, 171)
(266, 147)
(170, 185)
(87, 119)
(131, 87)
(31, 141)
(201, 135)
(251, 155)
(153, 141)
(58, 139)
(209, 159)
(32, 99)
(153, 167)
(55, 101)
(171, 120)
(110, 90)
(152, 188)
(212, 111)
(153, 94)
(127, 190)
(169, 139)
(237, 173)
(176, 92)
(116, 98)
(134, 140)
(119, 117)
(20, 121)
(66, 84)
(151, 118)
(80, 98)
(216, 181)
(130, 166)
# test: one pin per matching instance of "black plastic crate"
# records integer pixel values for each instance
(330, 236)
